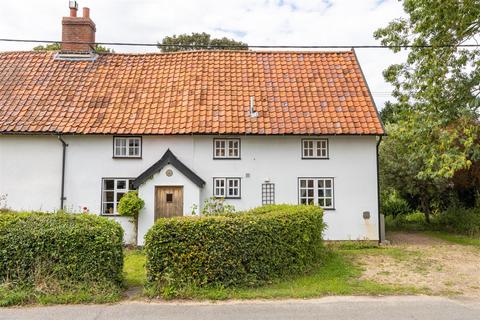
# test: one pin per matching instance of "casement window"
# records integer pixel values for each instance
(315, 149)
(226, 188)
(317, 191)
(226, 148)
(113, 190)
(127, 147)
(268, 193)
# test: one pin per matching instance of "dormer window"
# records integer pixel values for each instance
(314, 149)
(127, 147)
(226, 148)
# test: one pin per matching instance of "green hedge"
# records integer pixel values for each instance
(237, 249)
(60, 247)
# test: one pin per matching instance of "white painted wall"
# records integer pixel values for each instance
(30, 173)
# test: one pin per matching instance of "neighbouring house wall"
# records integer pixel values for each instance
(30, 172)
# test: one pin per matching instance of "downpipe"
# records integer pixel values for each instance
(378, 193)
(64, 153)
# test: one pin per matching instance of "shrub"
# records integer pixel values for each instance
(216, 206)
(235, 249)
(130, 204)
(460, 220)
(414, 221)
(60, 248)
(393, 205)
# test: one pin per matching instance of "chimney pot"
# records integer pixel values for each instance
(86, 12)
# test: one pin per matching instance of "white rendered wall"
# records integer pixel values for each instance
(30, 163)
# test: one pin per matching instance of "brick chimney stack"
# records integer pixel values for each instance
(77, 29)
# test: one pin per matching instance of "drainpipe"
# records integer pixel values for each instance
(64, 152)
(378, 193)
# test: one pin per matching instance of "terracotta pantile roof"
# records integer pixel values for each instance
(198, 92)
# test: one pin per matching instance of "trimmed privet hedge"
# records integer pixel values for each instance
(241, 249)
(60, 248)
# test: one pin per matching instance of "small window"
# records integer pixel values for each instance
(169, 197)
(127, 147)
(226, 148)
(315, 149)
(316, 191)
(226, 188)
(268, 193)
(113, 190)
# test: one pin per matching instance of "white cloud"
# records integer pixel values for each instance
(257, 22)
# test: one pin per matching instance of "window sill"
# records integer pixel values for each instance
(308, 158)
(114, 157)
(214, 158)
(228, 198)
(110, 215)
(329, 209)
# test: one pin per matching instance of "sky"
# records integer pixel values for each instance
(256, 22)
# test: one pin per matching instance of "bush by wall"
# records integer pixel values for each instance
(247, 248)
(67, 248)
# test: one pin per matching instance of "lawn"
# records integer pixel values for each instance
(455, 238)
(339, 275)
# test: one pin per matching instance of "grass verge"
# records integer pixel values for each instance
(455, 238)
(72, 294)
(337, 276)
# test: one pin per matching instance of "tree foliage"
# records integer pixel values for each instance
(57, 47)
(437, 89)
(199, 41)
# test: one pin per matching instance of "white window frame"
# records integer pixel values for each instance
(317, 191)
(226, 148)
(227, 188)
(315, 149)
(127, 147)
(116, 191)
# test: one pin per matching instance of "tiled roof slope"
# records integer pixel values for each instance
(198, 92)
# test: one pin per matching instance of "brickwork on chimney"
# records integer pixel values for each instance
(78, 29)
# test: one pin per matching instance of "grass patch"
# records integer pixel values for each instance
(337, 276)
(455, 238)
(134, 267)
(72, 294)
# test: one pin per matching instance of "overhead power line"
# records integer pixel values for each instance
(137, 44)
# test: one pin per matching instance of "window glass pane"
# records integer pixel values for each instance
(328, 202)
(119, 196)
(320, 183)
(169, 197)
(109, 196)
(310, 183)
(303, 183)
(328, 183)
(320, 192)
(108, 184)
(321, 202)
(130, 184)
(108, 208)
(328, 193)
(121, 184)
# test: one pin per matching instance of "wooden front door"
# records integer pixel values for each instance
(168, 201)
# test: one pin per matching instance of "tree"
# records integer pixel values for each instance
(57, 47)
(199, 41)
(438, 87)
(130, 205)
(400, 164)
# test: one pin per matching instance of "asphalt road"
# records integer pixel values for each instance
(358, 308)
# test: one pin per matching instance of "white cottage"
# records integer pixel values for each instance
(79, 129)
